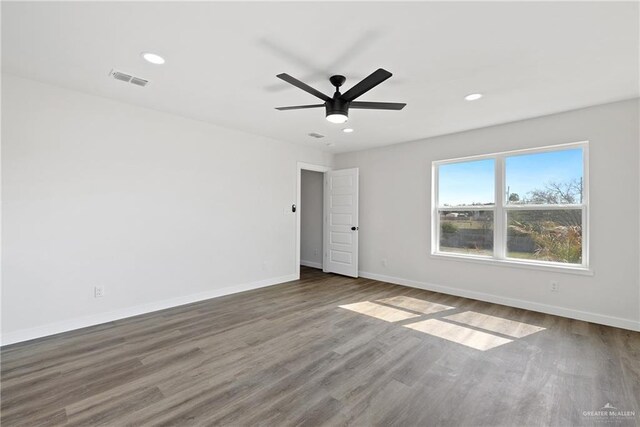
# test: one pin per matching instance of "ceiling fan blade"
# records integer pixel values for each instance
(377, 105)
(368, 83)
(299, 107)
(297, 83)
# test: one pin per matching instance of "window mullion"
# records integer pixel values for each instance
(513, 207)
(466, 208)
(499, 221)
(435, 202)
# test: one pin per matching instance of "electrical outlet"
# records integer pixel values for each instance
(384, 262)
(98, 291)
(315, 252)
(554, 286)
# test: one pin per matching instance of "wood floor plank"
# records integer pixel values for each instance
(325, 350)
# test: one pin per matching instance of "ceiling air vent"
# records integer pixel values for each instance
(138, 81)
(316, 135)
(128, 78)
(121, 76)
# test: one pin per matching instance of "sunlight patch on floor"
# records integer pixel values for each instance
(415, 304)
(459, 334)
(469, 328)
(495, 324)
(378, 311)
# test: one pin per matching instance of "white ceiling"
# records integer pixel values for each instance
(529, 59)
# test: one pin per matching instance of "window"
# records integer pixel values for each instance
(527, 206)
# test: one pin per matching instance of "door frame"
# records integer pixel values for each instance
(314, 168)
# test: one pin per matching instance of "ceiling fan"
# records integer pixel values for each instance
(337, 108)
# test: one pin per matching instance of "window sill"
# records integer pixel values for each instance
(584, 271)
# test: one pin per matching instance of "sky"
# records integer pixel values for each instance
(473, 182)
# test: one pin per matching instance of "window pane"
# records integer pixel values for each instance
(545, 235)
(553, 177)
(466, 232)
(466, 183)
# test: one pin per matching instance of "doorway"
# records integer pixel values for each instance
(311, 218)
(320, 170)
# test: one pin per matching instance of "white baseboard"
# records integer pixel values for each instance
(602, 319)
(97, 319)
(311, 264)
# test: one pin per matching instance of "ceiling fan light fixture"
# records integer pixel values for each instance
(337, 111)
(337, 118)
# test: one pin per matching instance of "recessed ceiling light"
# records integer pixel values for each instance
(152, 58)
(347, 130)
(473, 96)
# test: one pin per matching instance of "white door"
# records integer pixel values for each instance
(341, 222)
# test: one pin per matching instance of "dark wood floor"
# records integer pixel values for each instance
(327, 350)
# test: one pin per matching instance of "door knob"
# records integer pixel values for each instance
(355, 228)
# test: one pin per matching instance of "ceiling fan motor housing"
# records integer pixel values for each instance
(337, 106)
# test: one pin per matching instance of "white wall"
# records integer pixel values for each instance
(158, 209)
(395, 219)
(311, 212)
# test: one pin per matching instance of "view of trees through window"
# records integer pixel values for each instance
(545, 235)
(542, 208)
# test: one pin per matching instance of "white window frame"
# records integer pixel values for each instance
(500, 209)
